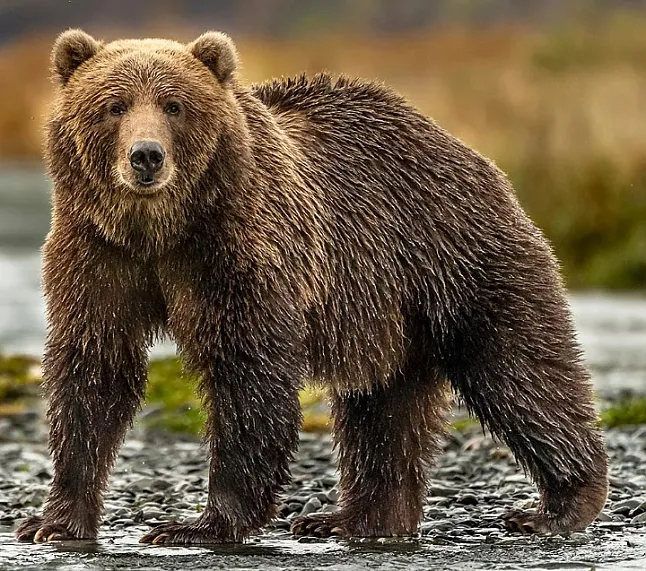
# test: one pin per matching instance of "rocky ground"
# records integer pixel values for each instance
(476, 481)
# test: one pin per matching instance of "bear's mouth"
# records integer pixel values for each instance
(146, 180)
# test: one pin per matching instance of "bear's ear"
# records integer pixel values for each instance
(71, 49)
(217, 52)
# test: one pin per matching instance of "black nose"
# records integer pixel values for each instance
(147, 157)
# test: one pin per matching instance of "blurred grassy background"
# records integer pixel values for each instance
(561, 109)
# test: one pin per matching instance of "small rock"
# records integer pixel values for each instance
(329, 481)
(6, 518)
(313, 505)
(125, 522)
(487, 530)
(152, 514)
(432, 526)
(160, 484)
(515, 478)
(612, 525)
(640, 509)
(321, 497)
(309, 539)
(140, 485)
(443, 491)
(467, 499)
(295, 507)
(626, 506)
(604, 516)
(281, 523)
(333, 495)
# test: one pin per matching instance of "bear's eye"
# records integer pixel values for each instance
(172, 108)
(117, 109)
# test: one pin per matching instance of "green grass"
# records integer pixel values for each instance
(177, 407)
(629, 411)
(175, 395)
(19, 379)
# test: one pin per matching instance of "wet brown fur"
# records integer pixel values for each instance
(305, 229)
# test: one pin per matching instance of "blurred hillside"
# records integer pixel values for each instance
(553, 90)
(271, 18)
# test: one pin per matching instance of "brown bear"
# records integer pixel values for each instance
(300, 230)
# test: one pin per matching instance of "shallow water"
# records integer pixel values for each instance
(121, 551)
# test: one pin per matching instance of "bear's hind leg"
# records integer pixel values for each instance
(386, 438)
(521, 374)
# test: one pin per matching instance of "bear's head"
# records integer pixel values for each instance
(135, 126)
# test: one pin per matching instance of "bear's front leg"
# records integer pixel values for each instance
(252, 369)
(92, 400)
(94, 371)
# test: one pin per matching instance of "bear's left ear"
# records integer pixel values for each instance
(217, 52)
(71, 49)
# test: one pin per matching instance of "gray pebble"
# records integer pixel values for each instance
(467, 499)
(640, 509)
(313, 505)
(333, 495)
(329, 481)
(443, 491)
(604, 516)
(125, 522)
(626, 506)
(611, 525)
(432, 526)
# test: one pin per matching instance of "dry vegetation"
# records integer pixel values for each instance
(563, 112)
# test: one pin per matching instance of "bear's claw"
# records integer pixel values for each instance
(34, 530)
(319, 525)
(527, 522)
(173, 533)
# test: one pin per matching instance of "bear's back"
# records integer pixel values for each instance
(323, 91)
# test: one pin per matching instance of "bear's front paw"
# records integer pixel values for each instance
(35, 530)
(527, 522)
(173, 533)
(320, 525)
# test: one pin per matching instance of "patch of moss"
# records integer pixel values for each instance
(173, 396)
(628, 411)
(316, 416)
(464, 424)
(174, 393)
(19, 378)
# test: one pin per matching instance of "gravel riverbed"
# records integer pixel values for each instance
(475, 481)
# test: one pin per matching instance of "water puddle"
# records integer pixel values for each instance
(117, 551)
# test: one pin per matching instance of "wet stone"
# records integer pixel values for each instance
(467, 499)
(637, 510)
(630, 505)
(443, 491)
(433, 526)
(605, 516)
(313, 505)
(611, 525)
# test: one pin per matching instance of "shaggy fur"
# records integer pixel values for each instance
(299, 230)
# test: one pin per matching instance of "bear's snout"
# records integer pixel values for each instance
(147, 158)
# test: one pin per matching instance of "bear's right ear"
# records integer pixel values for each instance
(71, 49)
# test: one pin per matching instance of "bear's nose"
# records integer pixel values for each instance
(147, 157)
